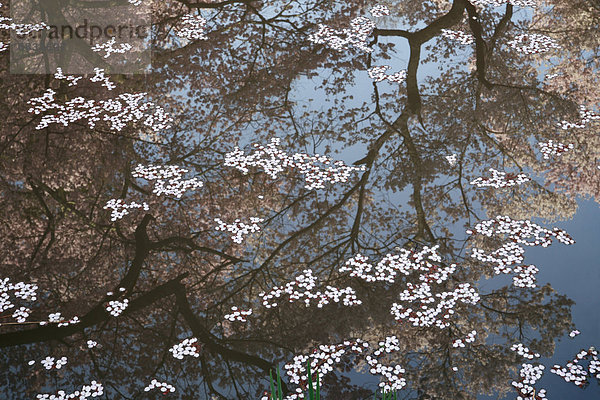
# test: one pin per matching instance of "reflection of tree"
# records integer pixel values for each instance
(182, 276)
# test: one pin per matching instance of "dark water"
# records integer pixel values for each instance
(256, 162)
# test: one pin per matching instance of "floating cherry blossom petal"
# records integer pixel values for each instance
(379, 10)
(168, 179)
(533, 43)
(461, 37)
(355, 36)
(187, 347)
(120, 208)
(317, 170)
(238, 314)
(500, 180)
(378, 74)
(301, 288)
(192, 27)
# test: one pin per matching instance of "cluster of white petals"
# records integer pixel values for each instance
(574, 333)
(585, 116)
(20, 290)
(72, 79)
(525, 276)
(342, 39)
(51, 362)
(57, 318)
(94, 389)
(3, 46)
(519, 233)
(238, 314)
(168, 179)
(99, 76)
(109, 48)
(379, 10)
(91, 344)
(533, 43)
(523, 232)
(117, 112)
(497, 3)
(187, 347)
(163, 386)
(529, 375)
(301, 289)
(427, 309)
(500, 180)
(452, 159)
(238, 228)
(378, 74)
(192, 27)
(322, 361)
(317, 170)
(552, 148)
(393, 376)
(508, 254)
(21, 314)
(21, 29)
(524, 351)
(577, 373)
(459, 36)
(116, 307)
(120, 208)
(426, 260)
(470, 338)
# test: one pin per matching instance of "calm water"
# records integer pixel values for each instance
(402, 194)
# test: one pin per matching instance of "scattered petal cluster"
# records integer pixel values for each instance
(69, 78)
(585, 116)
(459, 36)
(529, 375)
(342, 39)
(91, 344)
(51, 362)
(393, 375)
(426, 309)
(109, 48)
(322, 361)
(10, 292)
(574, 371)
(120, 208)
(523, 232)
(21, 29)
(378, 74)
(317, 170)
(187, 347)
(192, 27)
(238, 228)
(533, 43)
(452, 159)
(168, 179)
(497, 3)
(524, 351)
(99, 76)
(301, 289)
(379, 10)
(94, 389)
(470, 338)
(425, 260)
(552, 148)
(116, 307)
(163, 386)
(574, 333)
(500, 180)
(117, 112)
(238, 314)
